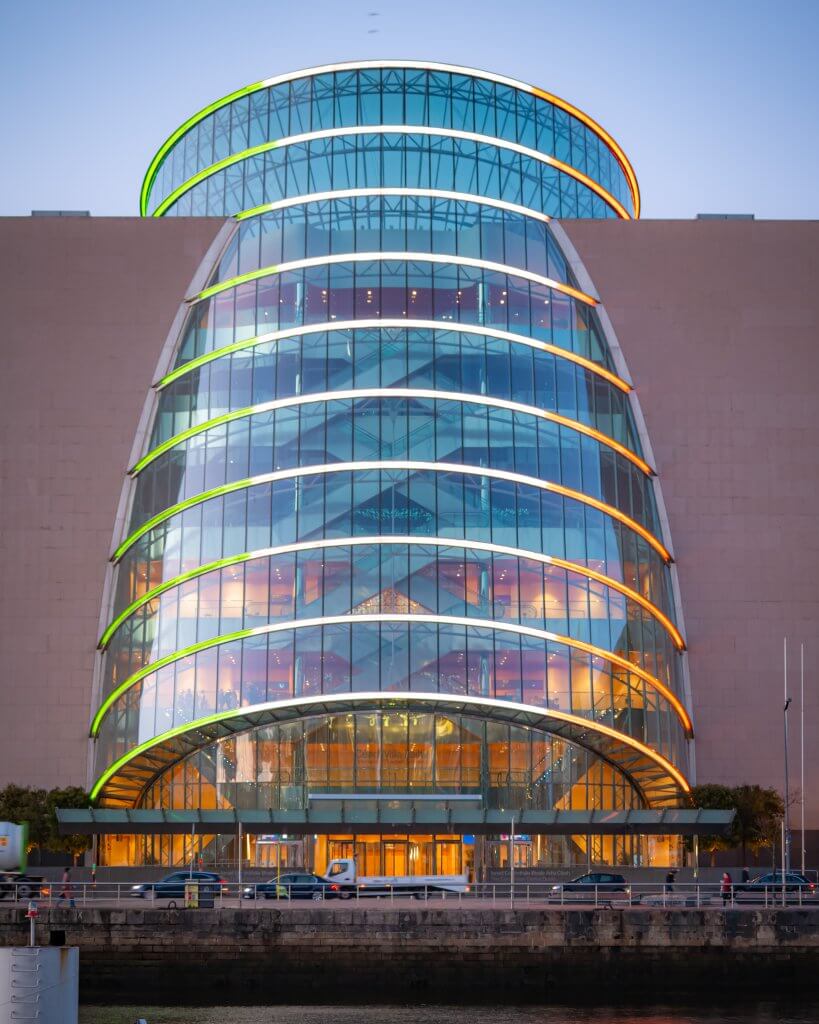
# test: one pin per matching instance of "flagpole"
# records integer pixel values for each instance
(802, 745)
(786, 858)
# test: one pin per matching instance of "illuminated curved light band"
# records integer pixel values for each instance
(490, 76)
(391, 698)
(556, 101)
(391, 129)
(384, 539)
(395, 192)
(387, 465)
(424, 393)
(399, 257)
(391, 323)
(342, 620)
(365, 697)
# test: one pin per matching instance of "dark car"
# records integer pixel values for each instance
(296, 885)
(22, 887)
(601, 882)
(173, 886)
(795, 882)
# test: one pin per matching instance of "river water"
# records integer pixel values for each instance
(761, 1013)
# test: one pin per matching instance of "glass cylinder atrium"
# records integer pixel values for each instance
(392, 530)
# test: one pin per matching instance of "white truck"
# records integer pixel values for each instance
(14, 881)
(343, 872)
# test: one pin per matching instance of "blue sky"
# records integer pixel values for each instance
(716, 103)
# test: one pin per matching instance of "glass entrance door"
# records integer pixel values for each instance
(279, 855)
(396, 857)
(396, 854)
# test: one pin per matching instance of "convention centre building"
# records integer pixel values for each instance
(463, 504)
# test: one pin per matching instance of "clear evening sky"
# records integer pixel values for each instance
(716, 102)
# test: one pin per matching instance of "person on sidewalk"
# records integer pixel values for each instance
(726, 887)
(66, 893)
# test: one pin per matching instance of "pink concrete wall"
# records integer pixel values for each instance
(719, 324)
(85, 306)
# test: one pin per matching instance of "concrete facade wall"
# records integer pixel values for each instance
(85, 306)
(718, 322)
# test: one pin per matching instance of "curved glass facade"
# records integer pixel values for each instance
(277, 766)
(248, 149)
(471, 361)
(392, 454)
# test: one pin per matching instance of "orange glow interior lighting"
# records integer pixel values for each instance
(386, 540)
(391, 699)
(340, 620)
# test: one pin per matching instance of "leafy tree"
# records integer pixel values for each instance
(24, 804)
(759, 816)
(759, 813)
(37, 807)
(714, 797)
(71, 796)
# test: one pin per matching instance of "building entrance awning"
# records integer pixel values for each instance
(326, 814)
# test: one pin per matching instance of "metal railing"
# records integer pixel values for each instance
(224, 894)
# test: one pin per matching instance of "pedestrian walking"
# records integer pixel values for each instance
(725, 888)
(669, 881)
(746, 876)
(66, 892)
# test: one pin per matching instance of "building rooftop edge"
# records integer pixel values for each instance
(514, 83)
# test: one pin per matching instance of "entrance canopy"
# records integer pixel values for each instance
(395, 813)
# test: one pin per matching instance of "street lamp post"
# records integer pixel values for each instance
(787, 864)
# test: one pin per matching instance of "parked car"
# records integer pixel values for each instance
(296, 885)
(795, 882)
(21, 886)
(600, 882)
(173, 886)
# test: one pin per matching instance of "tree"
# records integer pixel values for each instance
(24, 804)
(71, 796)
(759, 817)
(759, 812)
(714, 797)
(37, 808)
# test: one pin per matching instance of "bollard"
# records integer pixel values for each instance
(32, 914)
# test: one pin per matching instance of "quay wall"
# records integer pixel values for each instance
(376, 954)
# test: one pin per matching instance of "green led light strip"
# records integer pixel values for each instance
(150, 174)
(385, 540)
(389, 324)
(350, 395)
(338, 620)
(582, 724)
(426, 66)
(208, 172)
(393, 129)
(402, 257)
(411, 465)
(151, 595)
